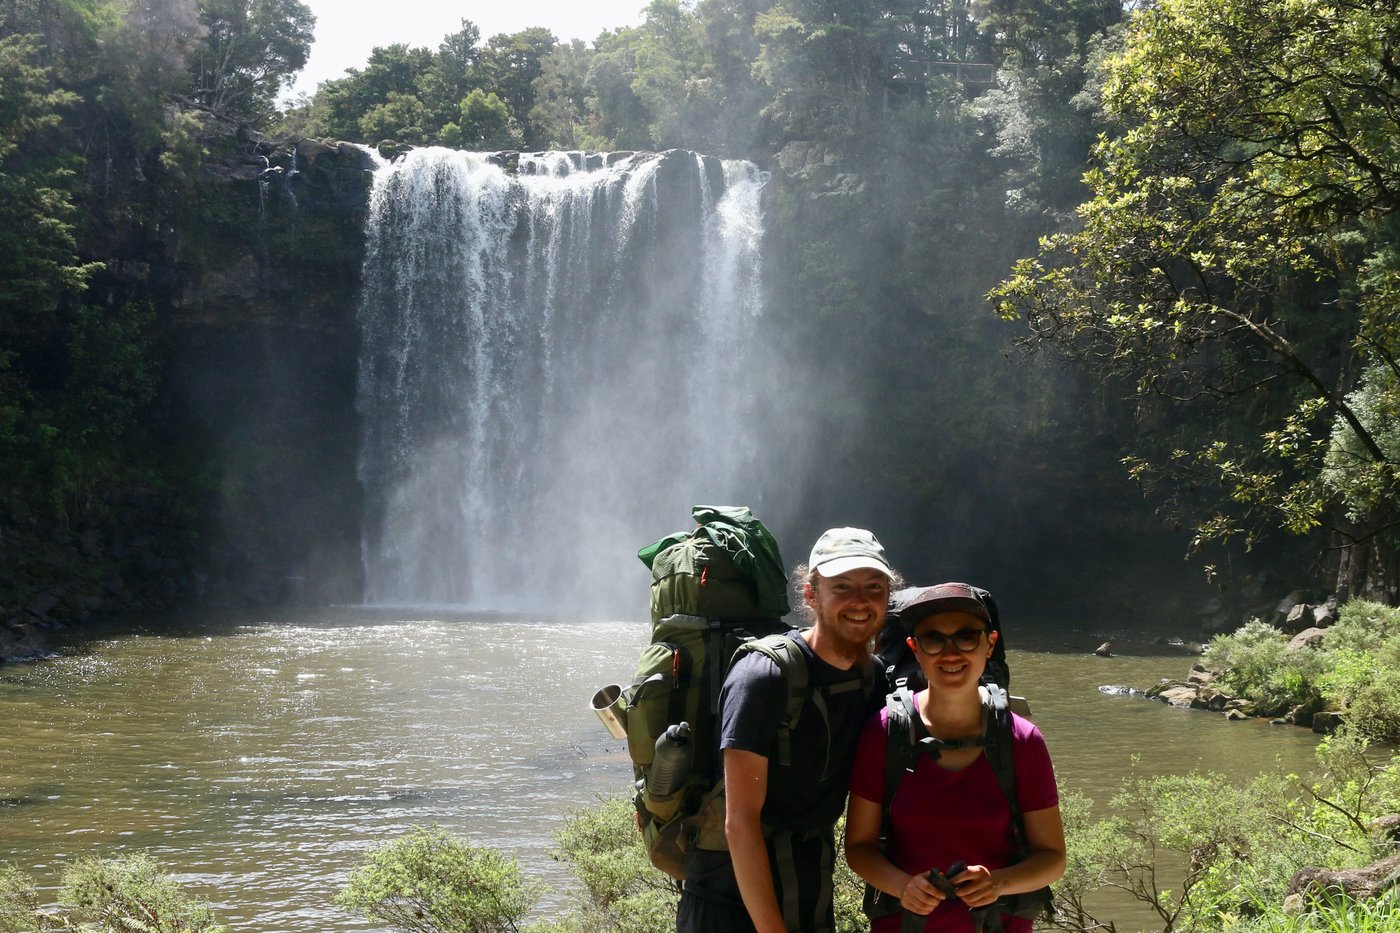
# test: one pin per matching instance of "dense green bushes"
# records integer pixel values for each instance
(1356, 669)
(1201, 854)
(428, 881)
(126, 895)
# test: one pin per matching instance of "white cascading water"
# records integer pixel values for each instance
(555, 366)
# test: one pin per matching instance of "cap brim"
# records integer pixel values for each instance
(911, 616)
(834, 568)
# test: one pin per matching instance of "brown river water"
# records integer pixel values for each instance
(259, 758)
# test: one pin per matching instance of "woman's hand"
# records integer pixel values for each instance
(976, 886)
(920, 896)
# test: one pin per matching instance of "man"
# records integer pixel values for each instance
(780, 817)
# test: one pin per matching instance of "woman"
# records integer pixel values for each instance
(952, 809)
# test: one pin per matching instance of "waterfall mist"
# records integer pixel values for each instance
(555, 366)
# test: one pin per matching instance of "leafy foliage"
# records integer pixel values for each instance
(130, 893)
(19, 902)
(428, 881)
(1327, 913)
(122, 895)
(411, 882)
(1236, 253)
(621, 888)
(1354, 670)
(1258, 664)
(251, 48)
(1234, 848)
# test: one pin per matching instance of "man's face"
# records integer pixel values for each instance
(851, 606)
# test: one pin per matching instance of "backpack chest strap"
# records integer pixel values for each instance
(934, 748)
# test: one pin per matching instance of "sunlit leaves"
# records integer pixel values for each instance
(1236, 252)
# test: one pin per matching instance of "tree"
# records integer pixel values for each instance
(838, 65)
(510, 66)
(1238, 261)
(392, 69)
(622, 118)
(1044, 103)
(669, 77)
(251, 49)
(38, 264)
(486, 123)
(822, 58)
(561, 97)
(454, 70)
(740, 98)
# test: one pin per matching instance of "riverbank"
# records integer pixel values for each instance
(1311, 663)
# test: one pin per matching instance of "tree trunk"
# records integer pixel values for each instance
(1367, 566)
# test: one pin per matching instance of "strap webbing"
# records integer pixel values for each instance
(825, 894)
(787, 877)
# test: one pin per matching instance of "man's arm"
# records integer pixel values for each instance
(745, 789)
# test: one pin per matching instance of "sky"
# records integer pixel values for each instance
(346, 30)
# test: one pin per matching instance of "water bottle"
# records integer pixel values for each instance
(669, 769)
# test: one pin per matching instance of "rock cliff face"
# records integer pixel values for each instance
(252, 264)
(262, 368)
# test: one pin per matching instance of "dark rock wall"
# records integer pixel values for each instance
(262, 350)
(252, 266)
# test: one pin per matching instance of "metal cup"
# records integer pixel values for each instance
(611, 708)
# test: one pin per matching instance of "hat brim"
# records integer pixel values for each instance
(834, 568)
(911, 616)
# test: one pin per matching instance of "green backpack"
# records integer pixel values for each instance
(715, 591)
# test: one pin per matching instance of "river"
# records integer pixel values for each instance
(258, 758)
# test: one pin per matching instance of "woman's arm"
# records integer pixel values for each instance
(863, 819)
(1045, 838)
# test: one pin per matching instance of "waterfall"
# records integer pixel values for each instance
(555, 366)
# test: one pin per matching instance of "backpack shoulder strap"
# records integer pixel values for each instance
(996, 741)
(785, 651)
(903, 729)
(997, 745)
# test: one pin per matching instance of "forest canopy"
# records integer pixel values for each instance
(1214, 181)
(1237, 264)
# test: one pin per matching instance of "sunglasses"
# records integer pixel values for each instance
(964, 640)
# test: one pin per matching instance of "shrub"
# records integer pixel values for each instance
(622, 890)
(130, 894)
(1363, 626)
(848, 890)
(1235, 849)
(429, 882)
(1364, 656)
(19, 902)
(1258, 664)
(1374, 711)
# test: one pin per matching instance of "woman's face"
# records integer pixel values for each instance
(961, 645)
